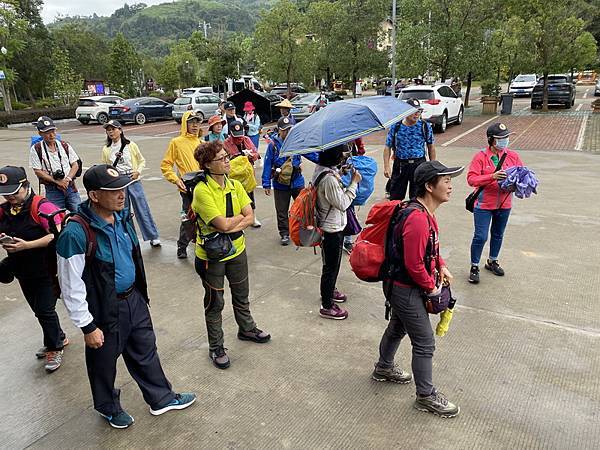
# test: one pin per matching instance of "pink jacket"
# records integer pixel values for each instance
(480, 174)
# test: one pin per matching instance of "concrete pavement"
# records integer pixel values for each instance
(521, 357)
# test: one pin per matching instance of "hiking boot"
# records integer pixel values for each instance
(285, 240)
(181, 401)
(155, 243)
(494, 267)
(335, 312)
(474, 275)
(393, 374)
(181, 253)
(438, 404)
(256, 223)
(41, 353)
(338, 297)
(53, 361)
(120, 420)
(254, 335)
(219, 357)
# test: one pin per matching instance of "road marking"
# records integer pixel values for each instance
(581, 135)
(524, 131)
(137, 127)
(579, 107)
(460, 136)
(166, 134)
(586, 93)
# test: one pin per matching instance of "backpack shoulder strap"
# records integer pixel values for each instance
(90, 235)
(321, 176)
(65, 146)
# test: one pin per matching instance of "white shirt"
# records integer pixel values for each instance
(57, 159)
(124, 165)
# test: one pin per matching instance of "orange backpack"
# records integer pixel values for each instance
(304, 230)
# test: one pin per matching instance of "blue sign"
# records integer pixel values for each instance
(2, 76)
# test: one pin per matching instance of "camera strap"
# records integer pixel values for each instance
(49, 165)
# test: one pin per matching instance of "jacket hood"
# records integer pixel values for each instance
(183, 132)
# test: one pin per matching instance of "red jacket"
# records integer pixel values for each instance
(480, 174)
(247, 144)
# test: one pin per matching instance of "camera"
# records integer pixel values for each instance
(58, 174)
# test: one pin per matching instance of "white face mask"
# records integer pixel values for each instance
(502, 143)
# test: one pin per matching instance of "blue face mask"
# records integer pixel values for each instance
(502, 143)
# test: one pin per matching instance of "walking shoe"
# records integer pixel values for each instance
(335, 312)
(254, 335)
(181, 253)
(256, 223)
(41, 353)
(348, 246)
(494, 267)
(181, 401)
(219, 357)
(53, 361)
(285, 240)
(338, 297)
(121, 420)
(393, 374)
(155, 243)
(438, 404)
(474, 275)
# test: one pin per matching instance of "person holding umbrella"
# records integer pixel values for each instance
(253, 121)
(285, 107)
(493, 205)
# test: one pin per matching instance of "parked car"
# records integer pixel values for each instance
(523, 84)
(597, 88)
(306, 104)
(441, 105)
(561, 91)
(141, 110)
(95, 108)
(205, 105)
(197, 90)
(282, 90)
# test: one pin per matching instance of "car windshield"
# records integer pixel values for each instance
(86, 102)
(188, 91)
(553, 79)
(182, 101)
(419, 95)
(525, 78)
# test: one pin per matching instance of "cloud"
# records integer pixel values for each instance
(53, 8)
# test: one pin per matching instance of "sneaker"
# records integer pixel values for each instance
(254, 335)
(338, 297)
(474, 275)
(256, 223)
(219, 357)
(285, 240)
(335, 312)
(438, 404)
(121, 420)
(53, 361)
(348, 246)
(181, 401)
(393, 374)
(181, 253)
(41, 353)
(155, 243)
(494, 267)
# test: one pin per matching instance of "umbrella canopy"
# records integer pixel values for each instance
(520, 180)
(344, 121)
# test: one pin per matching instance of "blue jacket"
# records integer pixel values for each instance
(273, 161)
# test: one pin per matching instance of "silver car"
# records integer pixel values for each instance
(305, 105)
(203, 104)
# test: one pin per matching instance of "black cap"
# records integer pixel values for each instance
(229, 105)
(498, 130)
(284, 123)
(45, 123)
(236, 128)
(428, 170)
(106, 178)
(11, 179)
(113, 123)
(415, 103)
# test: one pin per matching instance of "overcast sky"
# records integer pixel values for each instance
(52, 8)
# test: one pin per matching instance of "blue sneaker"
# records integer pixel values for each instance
(181, 401)
(121, 420)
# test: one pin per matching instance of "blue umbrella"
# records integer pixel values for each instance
(344, 121)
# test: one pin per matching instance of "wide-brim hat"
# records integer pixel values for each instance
(249, 106)
(215, 120)
(428, 170)
(104, 177)
(285, 104)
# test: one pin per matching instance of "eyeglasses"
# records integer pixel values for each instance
(222, 159)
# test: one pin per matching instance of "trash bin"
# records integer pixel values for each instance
(506, 100)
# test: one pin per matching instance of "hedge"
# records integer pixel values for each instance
(31, 115)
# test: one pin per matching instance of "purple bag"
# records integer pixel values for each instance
(439, 303)
(352, 225)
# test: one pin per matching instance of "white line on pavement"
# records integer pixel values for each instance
(169, 132)
(581, 135)
(579, 107)
(460, 136)
(586, 93)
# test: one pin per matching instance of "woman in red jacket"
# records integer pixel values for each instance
(493, 205)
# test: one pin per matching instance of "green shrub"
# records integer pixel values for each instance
(48, 103)
(31, 115)
(490, 88)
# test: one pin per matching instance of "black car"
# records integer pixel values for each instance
(561, 91)
(141, 110)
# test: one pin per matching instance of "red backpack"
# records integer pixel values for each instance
(304, 230)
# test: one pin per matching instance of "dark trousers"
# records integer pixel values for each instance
(409, 316)
(186, 229)
(39, 293)
(251, 195)
(282, 207)
(135, 340)
(403, 172)
(213, 279)
(331, 253)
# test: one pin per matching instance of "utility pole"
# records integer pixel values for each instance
(393, 48)
(205, 26)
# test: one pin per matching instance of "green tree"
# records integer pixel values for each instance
(124, 67)
(323, 37)
(65, 82)
(88, 48)
(13, 32)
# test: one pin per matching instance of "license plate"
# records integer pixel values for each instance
(84, 116)
(296, 110)
(114, 113)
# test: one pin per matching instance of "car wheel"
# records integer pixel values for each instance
(178, 121)
(102, 118)
(84, 121)
(535, 106)
(573, 102)
(568, 105)
(140, 119)
(444, 123)
(461, 115)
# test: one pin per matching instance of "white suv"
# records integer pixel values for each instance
(440, 104)
(523, 84)
(95, 108)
